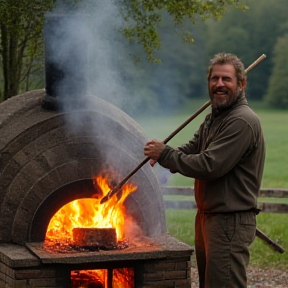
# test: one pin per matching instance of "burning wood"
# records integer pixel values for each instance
(101, 237)
(88, 278)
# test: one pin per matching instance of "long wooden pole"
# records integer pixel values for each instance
(184, 124)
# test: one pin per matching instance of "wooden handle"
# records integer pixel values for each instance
(268, 241)
(256, 62)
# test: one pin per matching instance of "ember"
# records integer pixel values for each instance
(68, 246)
(122, 278)
(89, 213)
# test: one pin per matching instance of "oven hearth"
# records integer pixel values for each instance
(162, 261)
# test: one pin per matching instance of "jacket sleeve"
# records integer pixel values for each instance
(232, 141)
(194, 145)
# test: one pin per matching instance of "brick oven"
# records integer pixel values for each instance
(48, 160)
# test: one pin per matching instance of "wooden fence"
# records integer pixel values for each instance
(264, 193)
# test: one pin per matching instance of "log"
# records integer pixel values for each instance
(94, 237)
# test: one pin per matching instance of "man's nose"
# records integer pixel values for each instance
(219, 82)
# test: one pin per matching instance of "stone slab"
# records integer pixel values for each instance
(17, 256)
(162, 247)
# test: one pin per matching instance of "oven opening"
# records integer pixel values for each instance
(84, 224)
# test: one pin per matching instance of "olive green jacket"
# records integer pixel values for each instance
(226, 158)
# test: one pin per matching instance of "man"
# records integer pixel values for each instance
(226, 158)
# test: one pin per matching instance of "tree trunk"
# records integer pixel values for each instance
(11, 64)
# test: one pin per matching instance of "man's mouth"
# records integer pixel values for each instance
(218, 92)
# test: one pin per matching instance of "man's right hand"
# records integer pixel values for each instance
(153, 149)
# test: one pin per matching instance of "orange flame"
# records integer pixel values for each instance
(89, 213)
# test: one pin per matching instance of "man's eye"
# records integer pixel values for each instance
(224, 79)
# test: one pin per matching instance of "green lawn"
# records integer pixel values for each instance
(180, 223)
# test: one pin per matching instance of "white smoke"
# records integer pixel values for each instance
(91, 32)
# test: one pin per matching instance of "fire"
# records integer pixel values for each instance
(89, 213)
(122, 278)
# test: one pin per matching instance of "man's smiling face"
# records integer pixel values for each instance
(223, 86)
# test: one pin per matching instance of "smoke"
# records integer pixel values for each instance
(86, 59)
(89, 57)
(92, 53)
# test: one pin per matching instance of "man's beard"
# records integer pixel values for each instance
(224, 105)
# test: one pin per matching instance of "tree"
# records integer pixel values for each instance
(20, 31)
(249, 35)
(145, 16)
(277, 95)
(21, 23)
(180, 74)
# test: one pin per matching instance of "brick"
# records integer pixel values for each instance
(42, 282)
(2, 280)
(11, 283)
(50, 282)
(154, 276)
(20, 284)
(159, 284)
(48, 273)
(7, 270)
(173, 275)
(183, 265)
(27, 274)
(185, 283)
(165, 266)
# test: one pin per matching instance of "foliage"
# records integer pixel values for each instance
(20, 28)
(179, 75)
(145, 16)
(249, 35)
(277, 95)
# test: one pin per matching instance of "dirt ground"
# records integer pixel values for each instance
(257, 278)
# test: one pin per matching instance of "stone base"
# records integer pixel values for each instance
(162, 263)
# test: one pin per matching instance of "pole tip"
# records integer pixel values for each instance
(104, 199)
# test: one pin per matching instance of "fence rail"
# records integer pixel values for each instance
(264, 193)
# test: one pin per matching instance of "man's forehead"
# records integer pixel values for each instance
(227, 69)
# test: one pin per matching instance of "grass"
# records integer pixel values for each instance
(180, 223)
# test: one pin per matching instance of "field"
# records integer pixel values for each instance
(180, 223)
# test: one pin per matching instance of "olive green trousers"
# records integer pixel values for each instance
(221, 245)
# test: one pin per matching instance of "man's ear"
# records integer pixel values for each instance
(243, 83)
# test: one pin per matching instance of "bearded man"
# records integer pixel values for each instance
(226, 159)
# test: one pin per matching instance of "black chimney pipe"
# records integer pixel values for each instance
(65, 61)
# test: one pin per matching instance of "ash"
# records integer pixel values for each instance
(67, 246)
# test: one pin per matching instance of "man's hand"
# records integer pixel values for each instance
(153, 150)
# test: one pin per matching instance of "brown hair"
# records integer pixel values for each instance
(228, 58)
